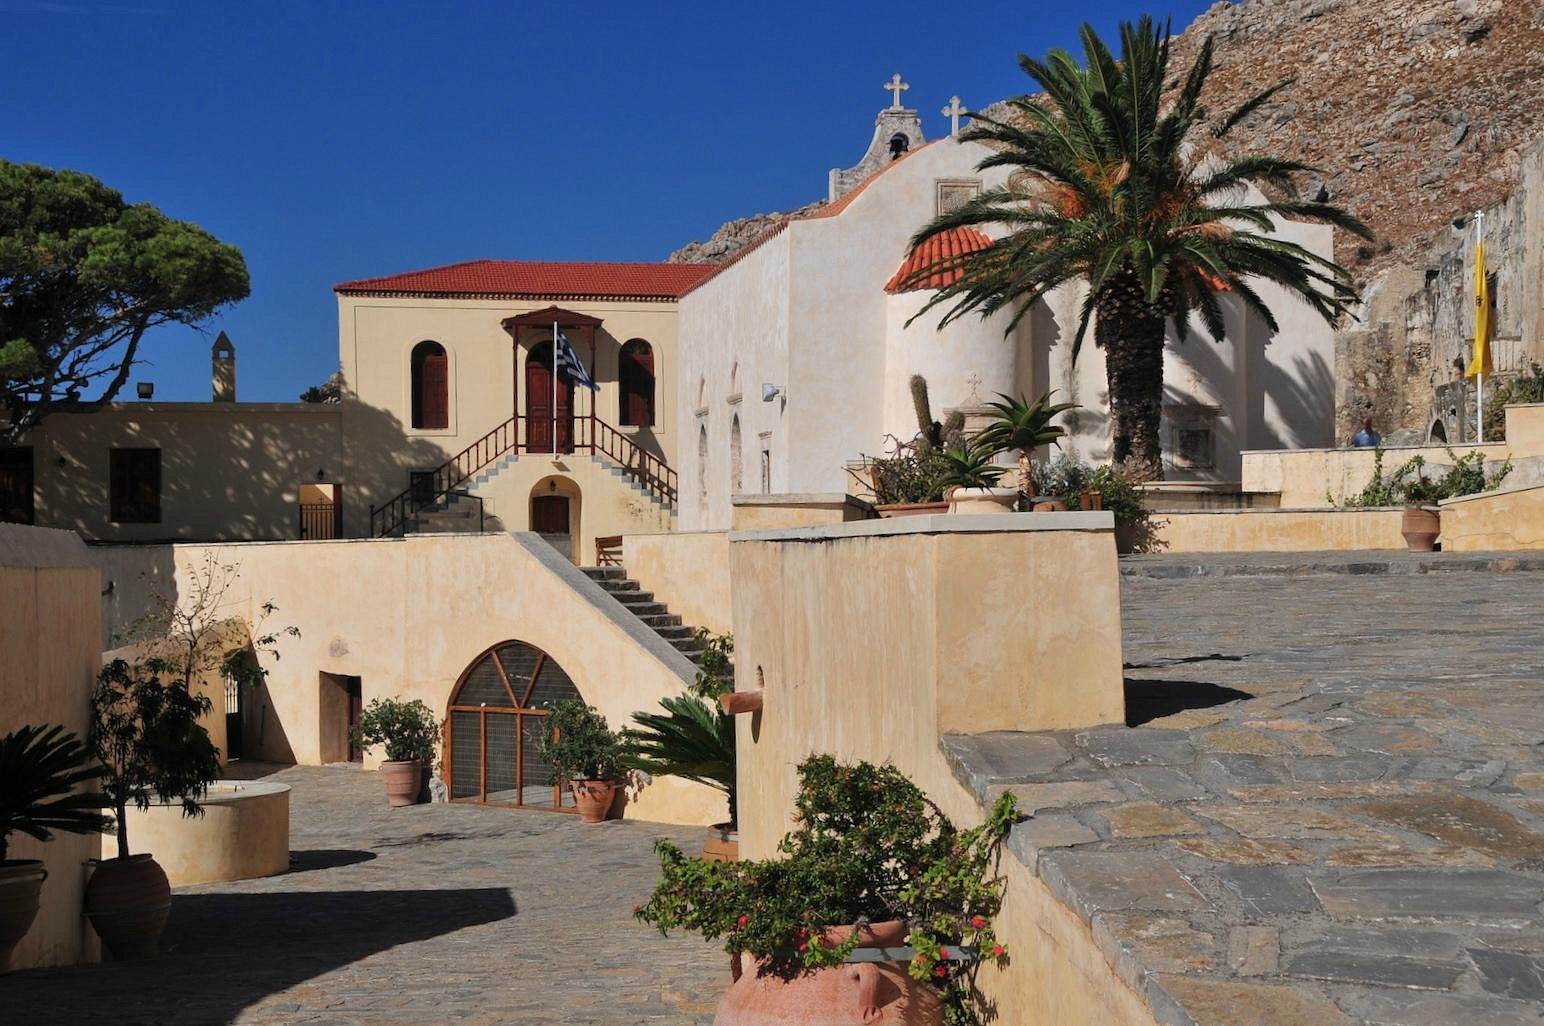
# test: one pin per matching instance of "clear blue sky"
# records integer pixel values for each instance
(332, 140)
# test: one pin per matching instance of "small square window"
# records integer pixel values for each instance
(954, 193)
(134, 486)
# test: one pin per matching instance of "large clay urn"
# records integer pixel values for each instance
(983, 500)
(127, 901)
(402, 778)
(1420, 525)
(853, 994)
(593, 798)
(21, 884)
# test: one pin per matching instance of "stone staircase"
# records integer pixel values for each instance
(457, 512)
(654, 615)
(478, 481)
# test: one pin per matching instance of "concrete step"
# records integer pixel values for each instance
(634, 598)
(678, 632)
(658, 620)
(604, 573)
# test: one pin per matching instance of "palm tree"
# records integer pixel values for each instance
(1110, 188)
(690, 739)
(1021, 426)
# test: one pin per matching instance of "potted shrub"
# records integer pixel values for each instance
(870, 863)
(147, 734)
(1022, 426)
(1422, 520)
(585, 753)
(40, 769)
(908, 482)
(970, 480)
(694, 739)
(409, 732)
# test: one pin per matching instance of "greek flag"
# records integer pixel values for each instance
(567, 362)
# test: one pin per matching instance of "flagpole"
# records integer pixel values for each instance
(1479, 374)
(554, 391)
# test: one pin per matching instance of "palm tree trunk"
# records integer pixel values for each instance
(1026, 479)
(1131, 333)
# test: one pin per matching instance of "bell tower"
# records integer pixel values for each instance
(223, 369)
(897, 131)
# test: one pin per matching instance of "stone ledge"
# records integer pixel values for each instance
(942, 523)
(1302, 564)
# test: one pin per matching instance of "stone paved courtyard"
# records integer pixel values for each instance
(434, 914)
(1331, 810)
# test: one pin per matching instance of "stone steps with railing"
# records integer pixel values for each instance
(641, 604)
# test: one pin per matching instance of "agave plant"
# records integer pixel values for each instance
(969, 465)
(690, 739)
(41, 770)
(1114, 186)
(1023, 426)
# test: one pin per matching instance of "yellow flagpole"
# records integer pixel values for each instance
(1481, 362)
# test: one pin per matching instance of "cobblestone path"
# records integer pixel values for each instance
(434, 914)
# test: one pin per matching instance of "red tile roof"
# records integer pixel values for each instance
(547, 279)
(940, 249)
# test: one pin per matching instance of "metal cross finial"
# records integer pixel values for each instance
(896, 86)
(953, 112)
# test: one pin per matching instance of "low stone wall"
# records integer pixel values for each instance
(871, 640)
(1287, 530)
(1312, 478)
(243, 833)
(49, 657)
(800, 509)
(688, 571)
(1505, 520)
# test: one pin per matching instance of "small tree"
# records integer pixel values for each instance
(579, 745)
(407, 729)
(147, 734)
(83, 276)
(40, 771)
(1022, 426)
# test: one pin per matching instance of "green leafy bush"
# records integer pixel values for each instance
(1408, 484)
(409, 730)
(1525, 388)
(40, 769)
(579, 745)
(911, 473)
(867, 847)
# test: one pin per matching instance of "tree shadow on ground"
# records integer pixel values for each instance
(1215, 657)
(222, 953)
(1149, 699)
(326, 858)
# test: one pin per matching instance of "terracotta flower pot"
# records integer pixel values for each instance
(983, 500)
(866, 993)
(402, 778)
(21, 882)
(1420, 525)
(594, 797)
(723, 843)
(127, 901)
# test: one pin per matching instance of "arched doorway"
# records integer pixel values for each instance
(539, 397)
(497, 716)
(555, 513)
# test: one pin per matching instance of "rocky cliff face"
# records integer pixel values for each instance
(734, 235)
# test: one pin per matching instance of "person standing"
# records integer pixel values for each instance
(1367, 438)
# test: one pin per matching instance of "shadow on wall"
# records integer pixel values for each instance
(246, 947)
(378, 454)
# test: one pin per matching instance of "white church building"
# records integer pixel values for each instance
(795, 356)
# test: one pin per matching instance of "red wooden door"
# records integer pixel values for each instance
(436, 392)
(538, 404)
(549, 514)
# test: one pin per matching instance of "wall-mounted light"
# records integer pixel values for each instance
(145, 389)
(771, 392)
(321, 474)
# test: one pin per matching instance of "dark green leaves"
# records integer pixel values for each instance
(41, 769)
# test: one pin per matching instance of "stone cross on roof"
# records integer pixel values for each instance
(953, 112)
(896, 86)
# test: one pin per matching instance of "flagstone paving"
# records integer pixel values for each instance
(1332, 809)
(433, 914)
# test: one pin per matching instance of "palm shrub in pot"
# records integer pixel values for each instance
(693, 738)
(409, 732)
(583, 750)
(871, 862)
(970, 480)
(41, 771)
(1021, 426)
(147, 734)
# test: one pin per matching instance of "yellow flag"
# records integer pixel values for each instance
(1481, 362)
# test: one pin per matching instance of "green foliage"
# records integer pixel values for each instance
(409, 730)
(147, 734)
(1408, 484)
(1018, 425)
(1525, 388)
(690, 739)
(909, 474)
(40, 769)
(579, 745)
(969, 465)
(867, 847)
(83, 276)
(715, 667)
(1063, 476)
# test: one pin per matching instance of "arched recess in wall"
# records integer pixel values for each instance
(736, 458)
(702, 465)
(496, 718)
(636, 375)
(557, 512)
(429, 373)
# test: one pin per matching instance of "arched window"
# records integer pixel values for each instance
(702, 464)
(431, 387)
(736, 461)
(636, 375)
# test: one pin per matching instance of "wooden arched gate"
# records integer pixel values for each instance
(498, 714)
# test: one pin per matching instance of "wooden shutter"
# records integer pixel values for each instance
(637, 380)
(434, 381)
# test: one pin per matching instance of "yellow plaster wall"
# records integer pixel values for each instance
(870, 646)
(1494, 521)
(775, 512)
(49, 656)
(1525, 428)
(407, 616)
(1270, 530)
(688, 571)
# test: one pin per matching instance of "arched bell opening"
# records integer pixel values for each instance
(496, 719)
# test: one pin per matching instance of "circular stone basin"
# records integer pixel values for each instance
(244, 832)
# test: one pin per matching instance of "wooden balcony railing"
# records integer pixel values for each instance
(586, 434)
